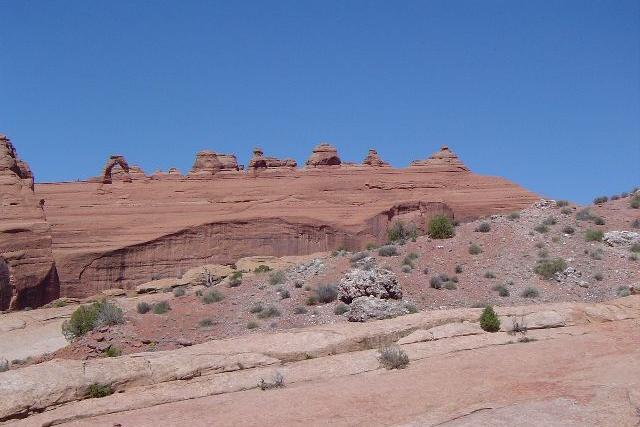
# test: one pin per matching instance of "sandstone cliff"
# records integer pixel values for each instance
(28, 275)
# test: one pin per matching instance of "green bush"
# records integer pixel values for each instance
(283, 292)
(401, 232)
(388, 250)
(212, 296)
(277, 278)
(99, 390)
(548, 267)
(406, 268)
(112, 351)
(541, 228)
(483, 227)
(530, 292)
(635, 202)
(326, 293)
(268, 312)
(623, 291)
(440, 227)
(161, 308)
(179, 292)
(593, 235)
(489, 320)
(143, 307)
(88, 317)
(393, 357)
(502, 290)
(474, 249)
(235, 279)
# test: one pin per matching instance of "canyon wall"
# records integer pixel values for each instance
(28, 276)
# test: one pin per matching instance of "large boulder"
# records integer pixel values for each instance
(363, 309)
(621, 238)
(28, 275)
(373, 281)
(324, 155)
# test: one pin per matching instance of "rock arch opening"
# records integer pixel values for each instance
(115, 160)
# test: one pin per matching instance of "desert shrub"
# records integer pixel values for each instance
(568, 230)
(489, 320)
(548, 267)
(474, 249)
(408, 260)
(502, 290)
(276, 382)
(252, 324)
(212, 296)
(268, 312)
(562, 203)
(235, 279)
(450, 285)
(530, 292)
(257, 307)
(454, 279)
(262, 268)
(326, 293)
(598, 220)
(411, 308)
(483, 227)
(4, 365)
(600, 200)
(143, 307)
(584, 215)
(635, 223)
(88, 317)
(277, 278)
(358, 256)
(635, 202)
(541, 228)
(440, 227)
(458, 269)
(514, 215)
(388, 250)
(555, 239)
(598, 276)
(371, 246)
(425, 270)
(406, 269)
(596, 254)
(623, 291)
(393, 357)
(543, 253)
(179, 292)
(401, 232)
(112, 351)
(566, 211)
(593, 235)
(341, 309)
(161, 308)
(635, 248)
(283, 292)
(436, 282)
(300, 310)
(99, 390)
(489, 275)
(539, 245)
(549, 221)
(205, 323)
(633, 257)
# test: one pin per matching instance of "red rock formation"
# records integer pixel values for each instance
(229, 162)
(123, 237)
(28, 275)
(445, 159)
(107, 177)
(207, 163)
(324, 155)
(373, 159)
(260, 161)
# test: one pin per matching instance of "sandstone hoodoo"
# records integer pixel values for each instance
(445, 159)
(260, 161)
(28, 276)
(206, 163)
(324, 155)
(373, 159)
(229, 162)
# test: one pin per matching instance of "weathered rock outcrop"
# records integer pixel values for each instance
(445, 160)
(206, 163)
(373, 159)
(28, 276)
(324, 155)
(229, 162)
(373, 281)
(260, 161)
(363, 309)
(112, 162)
(621, 238)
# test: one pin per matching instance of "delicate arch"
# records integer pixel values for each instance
(115, 160)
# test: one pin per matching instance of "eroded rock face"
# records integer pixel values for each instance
(260, 161)
(373, 159)
(444, 159)
(206, 163)
(28, 276)
(229, 162)
(374, 281)
(324, 155)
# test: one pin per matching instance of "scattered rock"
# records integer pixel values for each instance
(377, 282)
(621, 238)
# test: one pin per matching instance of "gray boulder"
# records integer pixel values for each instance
(621, 238)
(363, 309)
(373, 281)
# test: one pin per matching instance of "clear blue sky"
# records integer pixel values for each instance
(545, 93)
